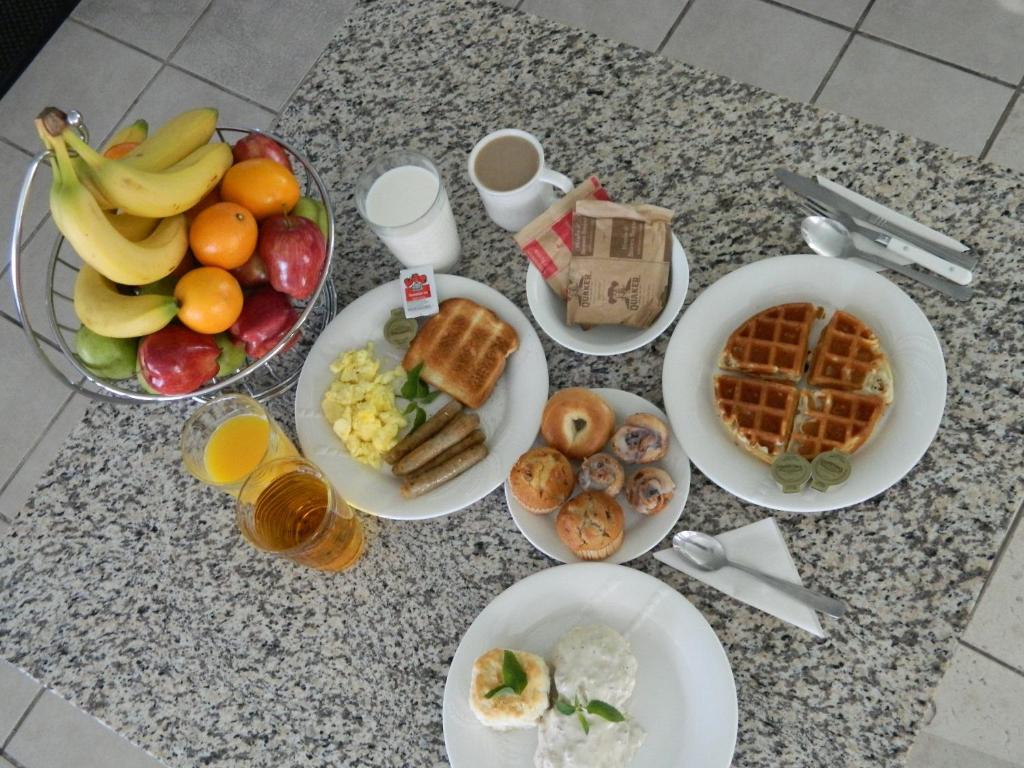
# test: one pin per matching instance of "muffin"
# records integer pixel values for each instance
(577, 422)
(601, 472)
(649, 490)
(591, 525)
(643, 438)
(508, 711)
(541, 479)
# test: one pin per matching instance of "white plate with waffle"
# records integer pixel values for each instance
(509, 418)
(899, 438)
(603, 340)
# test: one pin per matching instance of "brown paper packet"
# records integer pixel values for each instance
(547, 240)
(621, 264)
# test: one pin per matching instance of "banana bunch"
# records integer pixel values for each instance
(122, 210)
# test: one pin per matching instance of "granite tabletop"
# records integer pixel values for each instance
(126, 587)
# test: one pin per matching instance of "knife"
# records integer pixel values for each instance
(813, 190)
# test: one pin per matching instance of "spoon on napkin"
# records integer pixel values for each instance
(707, 553)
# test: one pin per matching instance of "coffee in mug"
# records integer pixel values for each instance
(507, 168)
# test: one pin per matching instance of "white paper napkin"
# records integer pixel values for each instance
(889, 214)
(759, 545)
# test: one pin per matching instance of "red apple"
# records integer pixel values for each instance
(252, 273)
(294, 250)
(176, 360)
(258, 145)
(266, 317)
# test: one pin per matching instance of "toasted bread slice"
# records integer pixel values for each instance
(463, 349)
(772, 343)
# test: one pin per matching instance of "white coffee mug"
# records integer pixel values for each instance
(515, 208)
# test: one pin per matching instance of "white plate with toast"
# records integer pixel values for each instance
(685, 695)
(898, 441)
(602, 340)
(509, 418)
(642, 532)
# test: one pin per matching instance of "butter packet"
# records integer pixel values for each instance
(621, 264)
(547, 240)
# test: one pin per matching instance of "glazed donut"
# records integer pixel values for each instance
(577, 422)
(649, 490)
(601, 472)
(641, 440)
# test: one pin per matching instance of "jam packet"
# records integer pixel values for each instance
(621, 263)
(547, 240)
(419, 291)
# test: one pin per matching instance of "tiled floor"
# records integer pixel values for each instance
(948, 71)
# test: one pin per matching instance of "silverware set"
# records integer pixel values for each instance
(833, 220)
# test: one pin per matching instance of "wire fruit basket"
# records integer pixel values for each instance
(269, 376)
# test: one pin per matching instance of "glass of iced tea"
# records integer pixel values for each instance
(288, 508)
(224, 440)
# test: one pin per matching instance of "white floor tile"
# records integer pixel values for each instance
(930, 751)
(261, 48)
(13, 164)
(30, 398)
(17, 690)
(57, 734)
(841, 11)
(757, 43)
(978, 707)
(173, 91)
(18, 488)
(983, 35)
(155, 26)
(5, 764)
(615, 19)
(1008, 148)
(78, 69)
(911, 94)
(997, 624)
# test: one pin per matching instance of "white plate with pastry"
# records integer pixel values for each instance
(906, 386)
(682, 701)
(604, 470)
(549, 312)
(508, 416)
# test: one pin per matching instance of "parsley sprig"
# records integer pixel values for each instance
(513, 677)
(416, 391)
(596, 707)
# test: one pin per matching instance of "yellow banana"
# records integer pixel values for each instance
(136, 132)
(132, 227)
(80, 220)
(174, 140)
(104, 310)
(151, 193)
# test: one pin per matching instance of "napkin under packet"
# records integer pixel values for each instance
(611, 262)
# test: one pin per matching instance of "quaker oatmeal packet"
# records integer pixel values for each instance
(621, 262)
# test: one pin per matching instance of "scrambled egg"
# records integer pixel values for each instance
(360, 405)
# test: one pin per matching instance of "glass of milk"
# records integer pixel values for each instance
(403, 199)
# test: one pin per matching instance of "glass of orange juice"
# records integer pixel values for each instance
(288, 508)
(224, 440)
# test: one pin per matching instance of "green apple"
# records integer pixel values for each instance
(313, 210)
(106, 357)
(232, 355)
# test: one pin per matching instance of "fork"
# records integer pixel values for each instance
(919, 256)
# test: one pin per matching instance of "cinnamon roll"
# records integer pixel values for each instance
(601, 472)
(649, 490)
(642, 439)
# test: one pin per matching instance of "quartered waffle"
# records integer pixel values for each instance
(849, 357)
(831, 419)
(772, 342)
(758, 412)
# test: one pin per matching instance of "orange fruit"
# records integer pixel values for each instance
(209, 299)
(223, 235)
(262, 186)
(118, 151)
(211, 197)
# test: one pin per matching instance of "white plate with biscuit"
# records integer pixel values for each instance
(684, 697)
(549, 312)
(509, 418)
(641, 532)
(918, 372)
